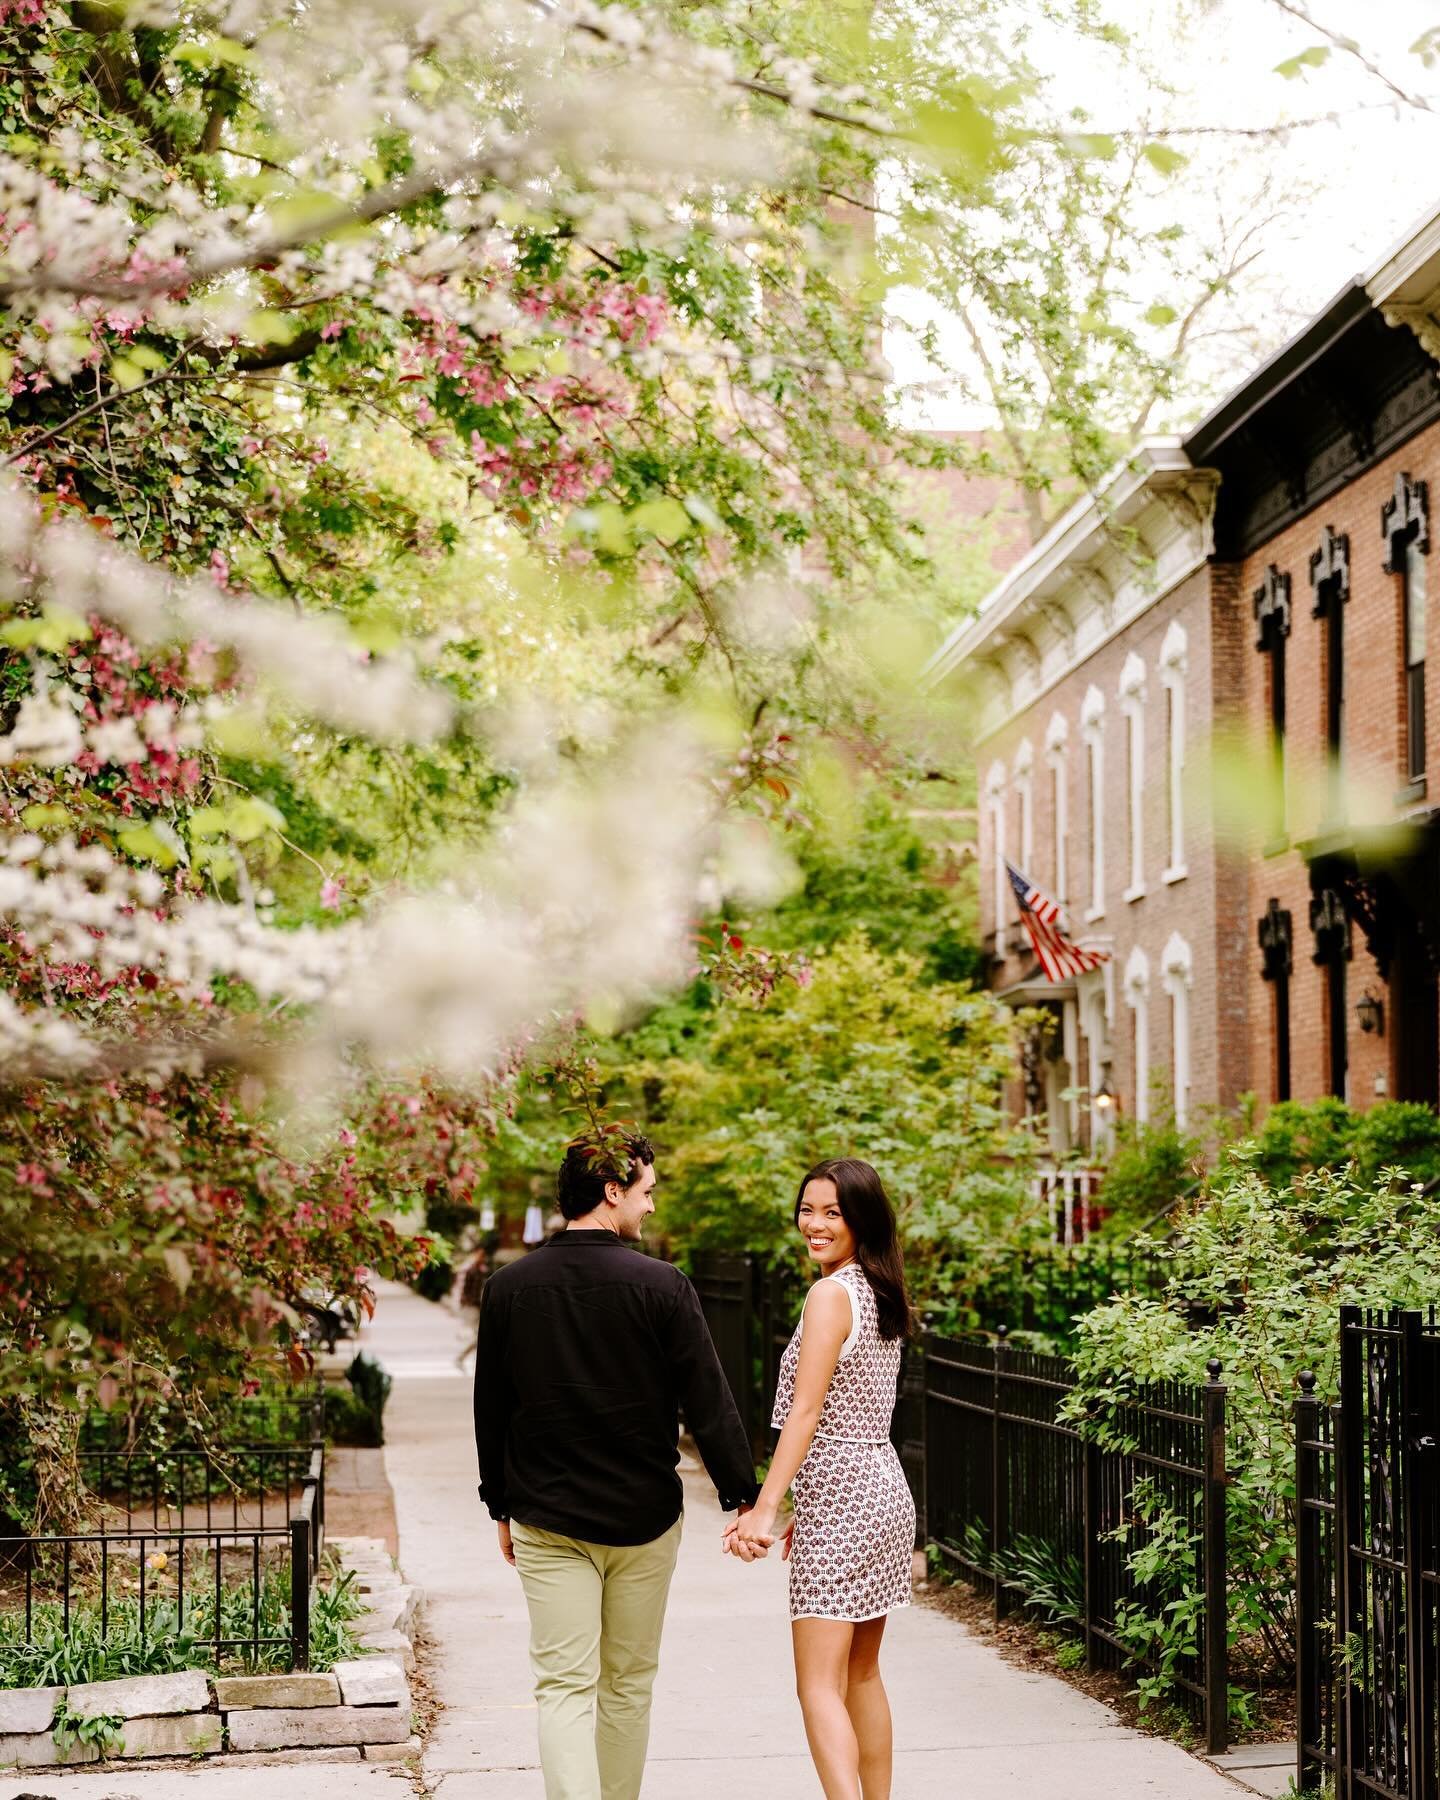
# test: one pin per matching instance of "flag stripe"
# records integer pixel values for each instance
(1044, 921)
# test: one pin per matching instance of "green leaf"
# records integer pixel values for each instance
(959, 132)
(665, 519)
(1160, 314)
(126, 372)
(243, 820)
(38, 817)
(606, 523)
(1294, 66)
(56, 628)
(1164, 158)
(216, 858)
(1093, 143)
(153, 842)
(266, 326)
(213, 53)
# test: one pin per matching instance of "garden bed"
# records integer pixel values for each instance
(61, 1711)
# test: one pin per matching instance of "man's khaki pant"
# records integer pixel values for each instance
(596, 1611)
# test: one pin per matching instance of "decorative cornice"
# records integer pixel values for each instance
(1420, 318)
(1084, 582)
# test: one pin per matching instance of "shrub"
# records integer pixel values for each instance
(1256, 1277)
(436, 1279)
(356, 1415)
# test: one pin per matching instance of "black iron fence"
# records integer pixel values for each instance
(1037, 1511)
(1368, 1545)
(159, 1568)
(1021, 1501)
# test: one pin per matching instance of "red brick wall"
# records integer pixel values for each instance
(1206, 907)
(1374, 739)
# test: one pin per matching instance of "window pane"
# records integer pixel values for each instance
(1414, 603)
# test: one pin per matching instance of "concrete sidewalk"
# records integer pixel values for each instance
(726, 1723)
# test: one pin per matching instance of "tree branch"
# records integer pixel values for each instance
(1349, 47)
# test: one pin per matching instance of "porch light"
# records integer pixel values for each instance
(1370, 1012)
(1104, 1101)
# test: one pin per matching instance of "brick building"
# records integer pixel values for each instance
(1201, 719)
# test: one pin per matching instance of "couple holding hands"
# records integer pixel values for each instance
(587, 1353)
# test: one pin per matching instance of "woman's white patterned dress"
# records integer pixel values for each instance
(854, 1517)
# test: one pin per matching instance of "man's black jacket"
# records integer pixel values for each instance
(588, 1349)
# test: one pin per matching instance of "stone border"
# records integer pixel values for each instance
(361, 1708)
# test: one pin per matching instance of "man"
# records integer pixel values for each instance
(587, 1351)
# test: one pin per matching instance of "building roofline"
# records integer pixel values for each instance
(1410, 269)
(1156, 462)
(1277, 372)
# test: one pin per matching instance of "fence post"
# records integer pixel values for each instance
(300, 1592)
(1418, 1449)
(1217, 1623)
(1309, 1673)
(997, 1475)
(1352, 1740)
(1091, 1500)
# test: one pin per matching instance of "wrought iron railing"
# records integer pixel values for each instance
(154, 1571)
(1034, 1509)
(1368, 1556)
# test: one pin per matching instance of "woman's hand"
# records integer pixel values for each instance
(787, 1542)
(752, 1534)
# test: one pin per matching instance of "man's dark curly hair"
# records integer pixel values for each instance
(580, 1185)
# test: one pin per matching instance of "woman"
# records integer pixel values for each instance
(853, 1534)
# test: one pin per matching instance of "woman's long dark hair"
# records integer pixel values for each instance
(865, 1207)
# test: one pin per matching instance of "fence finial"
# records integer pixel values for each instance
(1307, 1382)
(1001, 1333)
(1212, 1368)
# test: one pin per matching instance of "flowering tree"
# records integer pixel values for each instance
(445, 448)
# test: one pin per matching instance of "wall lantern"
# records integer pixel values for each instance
(1370, 1012)
(1104, 1101)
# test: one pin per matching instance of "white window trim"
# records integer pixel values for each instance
(1025, 791)
(1057, 755)
(1000, 890)
(1137, 998)
(1174, 665)
(1092, 725)
(1177, 970)
(1095, 1014)
(1132, 705)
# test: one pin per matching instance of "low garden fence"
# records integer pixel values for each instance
(1017, 1498)
(203, 1553)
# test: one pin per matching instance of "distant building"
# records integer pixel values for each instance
(1203, 722)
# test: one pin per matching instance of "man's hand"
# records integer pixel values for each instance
(507, 1546)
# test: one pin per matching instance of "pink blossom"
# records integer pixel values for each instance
(333, 329)
(332, 893)
(219, 568)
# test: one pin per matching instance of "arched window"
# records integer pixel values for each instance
(1057, 755)
(1177, 970)
(1132, 704)
(1174, 662)
(1092, 726)
(1137, 998)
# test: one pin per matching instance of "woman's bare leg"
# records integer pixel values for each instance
(822, 1661)
(869, 1708)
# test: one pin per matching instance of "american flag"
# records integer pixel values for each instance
(1044, 921)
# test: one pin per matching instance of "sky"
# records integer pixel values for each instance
(1347, 191)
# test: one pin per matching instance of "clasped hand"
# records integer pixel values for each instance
(751, 1532)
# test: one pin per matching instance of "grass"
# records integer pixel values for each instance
(53, 1656)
